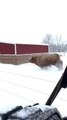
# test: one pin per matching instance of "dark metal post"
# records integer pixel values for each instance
(62, 83)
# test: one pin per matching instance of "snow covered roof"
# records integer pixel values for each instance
(24, 43)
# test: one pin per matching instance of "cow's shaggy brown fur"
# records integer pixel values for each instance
(46, 60)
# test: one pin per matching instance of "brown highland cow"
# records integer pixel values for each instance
(47, 60)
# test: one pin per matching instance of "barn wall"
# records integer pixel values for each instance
(29, 48)
(6, 48)
(8, 52)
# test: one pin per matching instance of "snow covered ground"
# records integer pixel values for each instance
(27, 84)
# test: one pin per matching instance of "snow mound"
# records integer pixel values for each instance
(35, 112)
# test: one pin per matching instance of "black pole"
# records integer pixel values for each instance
(62, 83)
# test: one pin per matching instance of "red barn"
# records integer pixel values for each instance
(7, 48)
(31, 48)
(19, 53)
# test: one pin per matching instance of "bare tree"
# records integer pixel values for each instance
(58, 40)
(55, 43)
(48, 39)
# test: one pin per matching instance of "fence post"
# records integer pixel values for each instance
(15, 49)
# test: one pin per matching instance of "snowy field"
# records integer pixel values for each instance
(27, 84)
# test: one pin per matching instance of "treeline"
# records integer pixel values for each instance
(55, 43)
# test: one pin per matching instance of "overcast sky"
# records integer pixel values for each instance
(27, 21)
